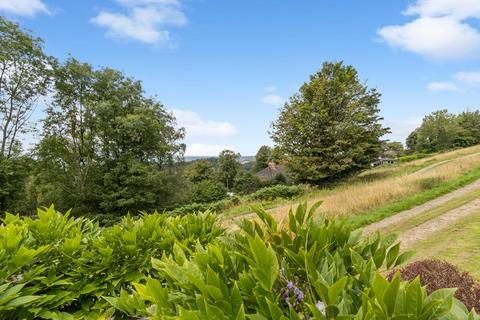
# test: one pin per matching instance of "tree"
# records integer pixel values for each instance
(24, 77)
(105, 147)
(470, 122)
(246, 182)
(228, 167)
(439, 131)
(208, 191)
(262, 158)
(199, 170)
(331, 127)
(412, 141)
(393, 149)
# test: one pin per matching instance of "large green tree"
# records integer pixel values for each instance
(331, 127)
(440, 131)
(24, 78)
(105, 146)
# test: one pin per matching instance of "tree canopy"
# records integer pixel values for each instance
(331, 127)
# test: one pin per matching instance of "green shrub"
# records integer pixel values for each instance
(207, 191)
(216, 207)
(311, 269)
(412, 157)
(277, 192)
(59, 267)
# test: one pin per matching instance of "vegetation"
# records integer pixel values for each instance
(59, 267)
(262, 158)
(331, 128)
(437, 274)
(442, 130)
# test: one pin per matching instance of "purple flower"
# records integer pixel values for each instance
(321, 307)
(290, 285)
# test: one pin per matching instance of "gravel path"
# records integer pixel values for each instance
(424, 207)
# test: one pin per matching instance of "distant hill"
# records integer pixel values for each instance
(243, 159)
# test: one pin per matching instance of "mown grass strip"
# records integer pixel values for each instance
(428, 215)
(379, 213)
(458, 244)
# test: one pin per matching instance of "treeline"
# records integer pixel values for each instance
(103, 146)
(442, 131)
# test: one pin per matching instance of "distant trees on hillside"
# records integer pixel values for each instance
(442, 130)
(331, 127)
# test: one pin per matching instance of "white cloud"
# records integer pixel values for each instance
(27, 8)
(205, 150)
(402, 128)
(441, 32)
(273, 100)
(196, 126)
(468, 77)
(144, 21)
(443, 86)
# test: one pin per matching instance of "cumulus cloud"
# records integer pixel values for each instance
(205, 150)
(273, 100)
(471, 78)
(443, 86)
(442, 30)
(195, 126)
(144, 20)
(28, 8)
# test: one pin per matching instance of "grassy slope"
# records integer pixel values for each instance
(385, 211)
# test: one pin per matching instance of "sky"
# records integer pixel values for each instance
(224, 68)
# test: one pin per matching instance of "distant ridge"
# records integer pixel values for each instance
(193, 158)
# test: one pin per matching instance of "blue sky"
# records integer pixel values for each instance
(225, 67)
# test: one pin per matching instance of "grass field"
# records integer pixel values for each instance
(383, 191)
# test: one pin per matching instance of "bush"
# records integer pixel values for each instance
(312, 268)
(59, 267)
(436, 274)
(246, 183)
(277, 192)
(207, 191)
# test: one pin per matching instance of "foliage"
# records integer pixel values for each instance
(431, 182)
(199, 170)
(228, 167)
(393, 149)
(442, 130)
(277, 191)
(215, 207)
(310, 269)
(437, 274)
(105, 147)
(59, 267)
(262, 158)
(246, 183)
(208, 191)
(24, 77)
(14, 173)
(331, 128)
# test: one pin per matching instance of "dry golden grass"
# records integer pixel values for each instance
(396, 183)
(361, 197)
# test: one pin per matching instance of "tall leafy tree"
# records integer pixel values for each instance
(228, 167)
(105, 146)
(331, 127)
(262, 158)
(24, 77)
(470, 122)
